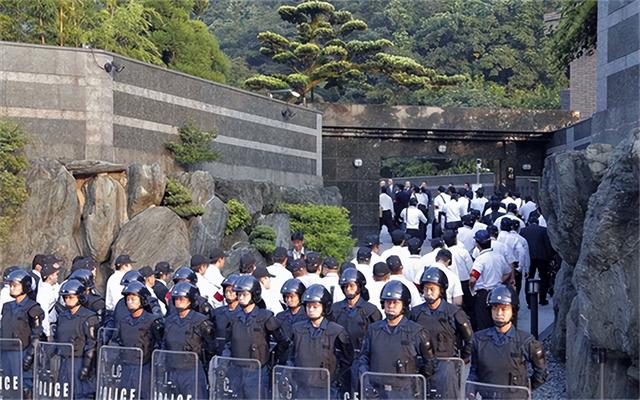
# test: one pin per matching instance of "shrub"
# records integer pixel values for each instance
(194, 145)
(178, 199)
(13, 188)
(239, 217)
(263, 239)
(326, 228)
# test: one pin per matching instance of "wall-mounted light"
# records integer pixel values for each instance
(357, 162)
(526, 167)
(112, 67)
(442, 148)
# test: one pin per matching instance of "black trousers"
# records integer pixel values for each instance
(481, 312)
(387, 220)
(467, 299)
(414, 233)
(544, 271)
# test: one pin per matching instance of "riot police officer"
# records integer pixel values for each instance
(95, 301)
(354, 313)
(500, 354)
(291, 291)
(22, 318)
(222, 315)
(140, 329)
(188, 330)
(448, 326)
(396, 345)
(78, 325)
(249, 334)
(201, 304)
(320, 343)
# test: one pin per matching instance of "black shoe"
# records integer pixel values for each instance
(543, 302)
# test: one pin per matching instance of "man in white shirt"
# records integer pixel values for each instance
(439, 201)
(454, 291)
(395, 266)
(453, 210)
(279, 269)
(412, 217)
(297, 242)
(199, 265)
(511, 214)
(397, 237)
(48, 294)
(331, 280)
(489, 270)
(477, 224)
(462, 263)
(381, 275)
(372, 242)
(150, 280)
(314, 268)
(387, 214)
(414, 262)
(271, 297)
(465, 234)
(363, 262)
(214, 275)
(479, 202)
(122, 265)
(428, 259)
(522, 253)
(528, 207)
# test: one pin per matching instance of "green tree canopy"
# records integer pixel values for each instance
(576, 32)
(162, 32)
(324, 53)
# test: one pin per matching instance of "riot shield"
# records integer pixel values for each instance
(235, 378)
(176, 375)
(119, 374)
(105, 335)
(10, 369)
(375, 385)
(447, 381)
(477, 390)
(300, 383)
(53, 371)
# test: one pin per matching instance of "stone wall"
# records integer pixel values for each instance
(76, 110)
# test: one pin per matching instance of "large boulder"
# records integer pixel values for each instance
(156, 234)
(207, 230)
(146, 187)
(563, 296)
(604, 313)
(279, 222)
(49, 221)
(104, 212)
(569, 179)
(249, 193)
(329, 196)
(232, 261)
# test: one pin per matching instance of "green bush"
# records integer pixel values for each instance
(13, 188)
(326, 228)
(239, 217)
(178, 199)
(263, 239)
(194, 146)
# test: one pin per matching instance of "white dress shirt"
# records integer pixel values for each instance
(453, 210)
(527, 208)
(455, 287)
(412, 217)
(399, 251)
(440, 200)
(114, 290)
(375, 289)
(47, 297)
(331, 281)
(386, 203)
(510, 216)
(461, 261)
(281, 275)
(479, 203)
(465, 237)
(491, 266)
(375, 258)
(414, 266)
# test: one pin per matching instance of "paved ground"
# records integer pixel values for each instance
(545, 313)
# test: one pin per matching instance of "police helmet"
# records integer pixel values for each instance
(131, 276)
(248, 283)
(138, 289)
(23, 278)
(396, 290)
(85, 276)
(437, 276)
(7, 272)
(317, 293)
(185, 273)
(502, 295)
(185, 289)
(353, 275)
(293, 286)
(230, 280)
(74, 287)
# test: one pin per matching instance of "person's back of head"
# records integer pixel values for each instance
(528, 199)
(414, 245)
(450, 238)
(437, 243)
(533, 220)
(493, 231)
(444, 256)
(397, 237)
(495, 206)
(395, 265)
(441, 189)
(413, 202)
(512, 208)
